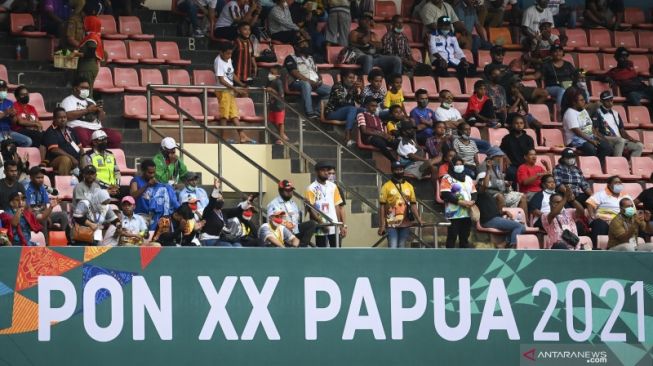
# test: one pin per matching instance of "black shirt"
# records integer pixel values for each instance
(6, 191)
(516, 147)
(554, 76)
(646, 198)
(487, 207)
(53, 137)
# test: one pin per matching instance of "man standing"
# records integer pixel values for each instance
(108, 173)
(324, 196)
(609, 126)
(292, 219)
(398, 208)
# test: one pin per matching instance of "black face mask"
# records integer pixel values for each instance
(102, 146)
(304, 51)
(399, 177)
(219, 204)
(24, 99)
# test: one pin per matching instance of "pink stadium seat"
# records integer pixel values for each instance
(417, 54)
(142, 51)
(204, 77)
(642, 166)
(601, 38)
(169, 51)
(193, 106)
(19, 21)
(117, 52)
(64, 185)
(4, 75)
(641, 64)
(544, 161)
(640, 116)
(135, 107)
(637, 18)
(363, 146)
(33, 155)
(577, 41)
(121, 161)
(541, 113)
(213, 108)
(181, 77)
(608, 61)
(131, 26)
(618, 165)
(591, 167)
(647, 140)
(495, 135)
(624, 116)
(153, 76)
(469, 86)
(585, 241)
(384, 10)
(38, 238)
(109, 28)
(590, 62)
(247, 110)
(528, 241)
(596, 87)
(407, 87)
(104, 82)
(627, 39)
(452, 84)
(127, 78)
(645, 40)
(484, 58)
(57, 239)
(633, 189)
(410, 105)
(426, 82)
(380, 30)
(408, 32)
(327, 79)
(165, 110)
(332, 58)
(36, 99)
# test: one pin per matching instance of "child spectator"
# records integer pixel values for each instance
(374, 90)
(446, 113)
(423, 116)
(447, 157)
(466, 149)
(411, 156)
(243, 55)
(518, 105)
(224, 72)
(276, 109)
(373, 131)
(480, 107)
(395, 96)
(397, 116)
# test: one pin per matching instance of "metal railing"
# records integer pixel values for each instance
(305, 159)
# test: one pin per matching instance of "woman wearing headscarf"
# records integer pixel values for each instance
(96, 214)
(91, 51)
(458, 191)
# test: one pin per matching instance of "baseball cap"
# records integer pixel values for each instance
(568, 153)
(444, 20)
(36, 170)
(323, 165)
(555, 47)
(396, 165)
(89, 169)
(192, 175)
(606, 95)
(496, 153)
(286, 185)
(129, 199)
(274, 210)
(168, 143)
(98, 135)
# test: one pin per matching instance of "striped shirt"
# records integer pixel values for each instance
(242, 59)
(466, 152)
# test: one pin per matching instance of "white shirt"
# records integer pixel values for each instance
(406, 148)
(324, 198)
(72, 103)
(532, 18)
(289, 207)
(545, 208)
(225, 69)
(451, 114)
(447, 47)
(576, 119)
(228, 13)
(554, 6)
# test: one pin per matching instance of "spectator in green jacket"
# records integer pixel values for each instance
(169, 167)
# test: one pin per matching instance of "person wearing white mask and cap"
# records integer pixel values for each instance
(568, 175)
(169, 167)
(603, 206)
(274, 233)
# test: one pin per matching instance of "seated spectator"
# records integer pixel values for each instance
(529, 174)
(54, 14)
(19, 221)
(224, 73)
(603, 206)
(192, 189)
(88, 186)
(539, 204)
(626, 227)
(170, 168)
(338, 22)
(646, 197)
(437, 145)
(608, 126)
(216, 216)
(96, 214)
(394, 96)
(241, 229)
(600, 13)
(292, 217)
(472, 15)
(557, 74)
(626, 78)
(373, 131)
(445, 112)
(63, 147)
(274, 233)
(423, 116)
(497, 186)
(39, 202)
(516, 145)
(342, 102)
(282, 28)
(540, 50)
(579, 131)
(433, 10)
(497, 95)
(108, 172)
(412, 157)
(9, 184)
(445, 51)
(26, 121)
(564, 16)
(532, 18)
(579, 87)
(518, 106)
(567, 175)
(133, 228)
(395, 120)
(395, 43)
(177, 228)
(306, 79)
(491, 215)
(374, 89)
(234, 12)
(192, 9)
(9, 151)
(276, 108)
(466, 149)
(85, 115)
(307, 16)
(560, 220)
(7, 118)
(458, 191)
(245, 68)
(91, 52)
(479, 107)
(367, 42)
(153, 199)
(532, 94)
(397, 201)
(323, 199)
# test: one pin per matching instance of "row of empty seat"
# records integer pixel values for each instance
(135, 108)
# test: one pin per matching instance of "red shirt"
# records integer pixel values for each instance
(526, 171)
(24, 111)
(475, 105)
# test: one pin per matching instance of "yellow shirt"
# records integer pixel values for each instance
(393, 98)
(392, 126)
(395, 204)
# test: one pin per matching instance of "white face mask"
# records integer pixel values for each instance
(570, 161)
(3, 95)
(446, 105)
(84, 93)
(582, 84)
(617, 188)
(549, 191)
(458, 168)
(332, 178)
(272, 77)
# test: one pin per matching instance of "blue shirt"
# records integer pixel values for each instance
(36, 196)
(5, 122)
(418, 114)
(199, 193)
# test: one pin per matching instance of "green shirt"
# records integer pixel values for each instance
(169, 172)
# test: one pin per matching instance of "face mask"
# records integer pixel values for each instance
(617, 188)
(219, 204)
(398, 176)
(23, 99)
(446, 105)
(102, 146)
(458, 168)
(629, 211)
(305, 51)
(570, 161)
(444, 32)
(277, 220)
(84, 93)
(423, 103)
(549, 191)
(582, 84)
(3, 95)
(399, 30)
(332, 178)
(464, 136)
(190, 188)
(272, 77)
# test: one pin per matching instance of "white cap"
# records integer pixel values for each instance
(98, 134)
(168, 143)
